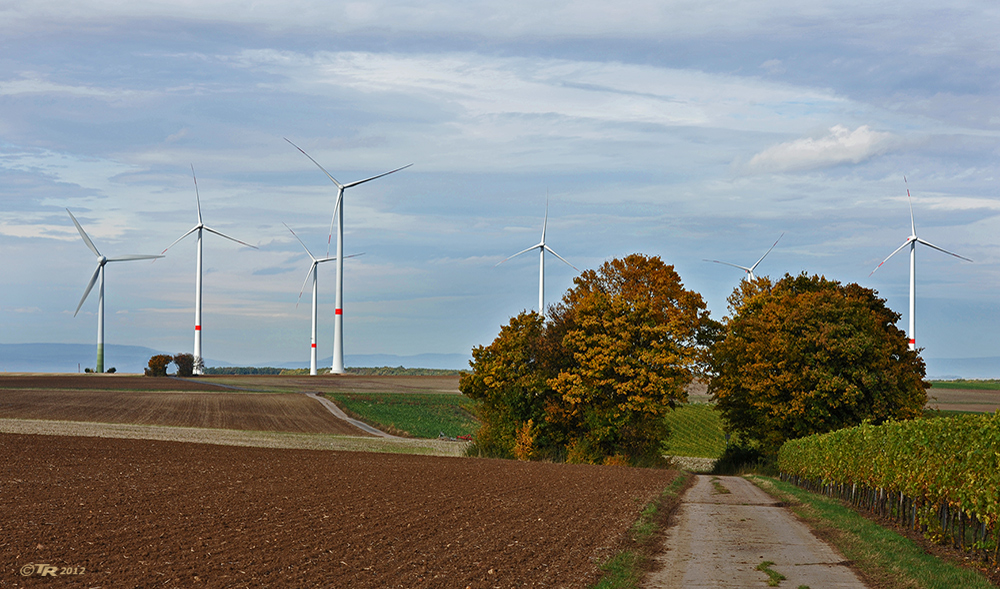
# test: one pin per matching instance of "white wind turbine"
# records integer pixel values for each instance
(749, 271)
(99, 273)
(912, 242)
(315, 313)
(338, 318)
(199, 228)
(541, 247)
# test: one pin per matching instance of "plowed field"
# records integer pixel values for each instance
(173, 402)
(142, 513)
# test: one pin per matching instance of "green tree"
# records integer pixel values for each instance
(158, 365)
(808, 355)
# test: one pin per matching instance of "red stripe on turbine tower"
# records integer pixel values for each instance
(197, 328)
(314, 345)
(913, 341)
(340, 311)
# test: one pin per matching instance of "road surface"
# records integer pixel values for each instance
(719, 538)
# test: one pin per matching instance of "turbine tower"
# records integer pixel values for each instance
(315, 313)
(912, 241)
(541, 247)
(338, 318)
(199, 228)
(99, 273)
(749, 271)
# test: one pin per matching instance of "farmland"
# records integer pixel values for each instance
(137, 513)
(132, 511)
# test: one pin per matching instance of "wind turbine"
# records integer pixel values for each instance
(99, 273)
(749, 271)
(315, 314)
(338, 318)
(541, 247)
(199, 228)
(912, 242)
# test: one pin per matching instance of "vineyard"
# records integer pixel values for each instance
(938, 476)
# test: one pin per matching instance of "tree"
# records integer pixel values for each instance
(635, 336)
(158, 365)
(593, 383)
(807, 355)
(509, 379)
(185, 364)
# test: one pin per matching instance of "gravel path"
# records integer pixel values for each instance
(339, 414)
(725, 527)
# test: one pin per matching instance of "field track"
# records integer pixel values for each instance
(141, 513)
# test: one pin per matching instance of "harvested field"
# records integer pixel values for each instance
(980, 401)
(341, 383)
(105, 382)
(262, 412)
(140, 513)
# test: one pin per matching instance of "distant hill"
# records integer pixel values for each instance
(72, 357)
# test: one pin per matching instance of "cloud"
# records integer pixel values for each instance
(839, 146)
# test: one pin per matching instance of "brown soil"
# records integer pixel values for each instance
(342, 383)
(238, 411)
(108, 382)
(963, 400)
(140, 513)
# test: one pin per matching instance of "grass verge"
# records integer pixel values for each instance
(626, 569)
(884, 558)
(978, 385)
(412, 414)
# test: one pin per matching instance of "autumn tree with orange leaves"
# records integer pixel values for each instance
(808, 355)
(594, 382)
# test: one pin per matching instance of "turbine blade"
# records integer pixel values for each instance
(905, 243)
(301, 242)
(909, 201)
(941, 249)
(545, 222)
(197, 197)
(220, 234)
(180, 238)
(83, 234)
(518, 254)
(752, 268)
(553, 252)
(355, 183)
(90, 287)
(131, 257)
(744, 268)
(328, 175)
(304, 282)
(334, 258)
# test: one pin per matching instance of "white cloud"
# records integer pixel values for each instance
(839, 146)
(33, 84)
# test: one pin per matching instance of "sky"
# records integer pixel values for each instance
(681, 129)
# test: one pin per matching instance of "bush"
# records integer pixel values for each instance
(185, 364)
(111, 370)
(158, 365)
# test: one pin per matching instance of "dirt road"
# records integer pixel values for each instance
(726, 527)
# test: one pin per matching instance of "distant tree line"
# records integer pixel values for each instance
(362, 371)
